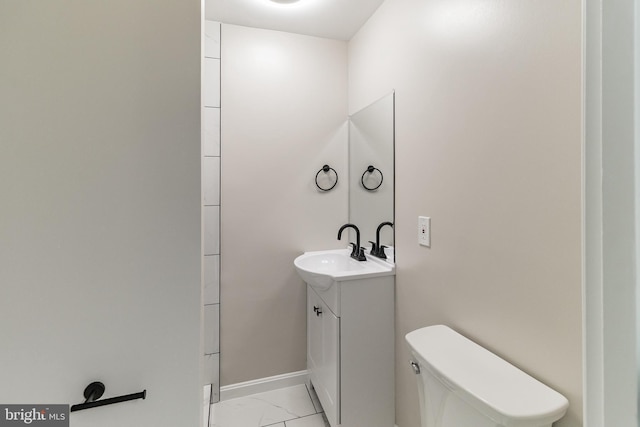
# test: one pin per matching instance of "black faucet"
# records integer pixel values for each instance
(377, 249)
(357, 252)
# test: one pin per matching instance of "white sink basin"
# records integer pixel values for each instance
(322, 268)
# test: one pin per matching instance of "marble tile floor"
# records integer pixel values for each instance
(295, 406)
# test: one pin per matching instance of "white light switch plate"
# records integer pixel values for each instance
(424, 231)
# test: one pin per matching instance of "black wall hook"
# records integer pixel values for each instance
(326, 169)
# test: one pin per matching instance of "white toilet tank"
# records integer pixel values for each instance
(461, 384)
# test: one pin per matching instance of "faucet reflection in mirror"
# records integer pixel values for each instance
(371, 195)
(377, 249)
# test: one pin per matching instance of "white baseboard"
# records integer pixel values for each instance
(261, 385)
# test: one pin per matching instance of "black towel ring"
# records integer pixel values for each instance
(326, 169)
(370, 170)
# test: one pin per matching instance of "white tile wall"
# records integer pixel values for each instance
(211, 39)
(212, 374)
(211, 322)
(211, 181)
(211, 205)
(215, 389)
(211, 143)
(211, 279)
(211, 84)
(211, 230)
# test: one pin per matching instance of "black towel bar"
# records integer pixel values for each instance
(95, 390)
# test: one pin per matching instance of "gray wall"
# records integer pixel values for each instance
(100, 218)
(488, 144)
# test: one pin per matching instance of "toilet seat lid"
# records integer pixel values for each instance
(490, 384)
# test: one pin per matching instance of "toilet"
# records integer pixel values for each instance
(461, 384)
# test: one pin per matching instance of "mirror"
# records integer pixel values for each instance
(371, 172)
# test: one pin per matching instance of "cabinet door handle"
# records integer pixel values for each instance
(317, 310)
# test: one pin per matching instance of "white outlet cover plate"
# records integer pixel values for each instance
(424, 231)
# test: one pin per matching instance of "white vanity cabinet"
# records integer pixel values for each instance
(323, 353)
(350, 350)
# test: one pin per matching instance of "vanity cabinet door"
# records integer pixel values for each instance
(323, 354)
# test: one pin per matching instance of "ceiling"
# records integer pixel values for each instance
(334, 19)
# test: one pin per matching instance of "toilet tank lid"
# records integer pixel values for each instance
(490, 384)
